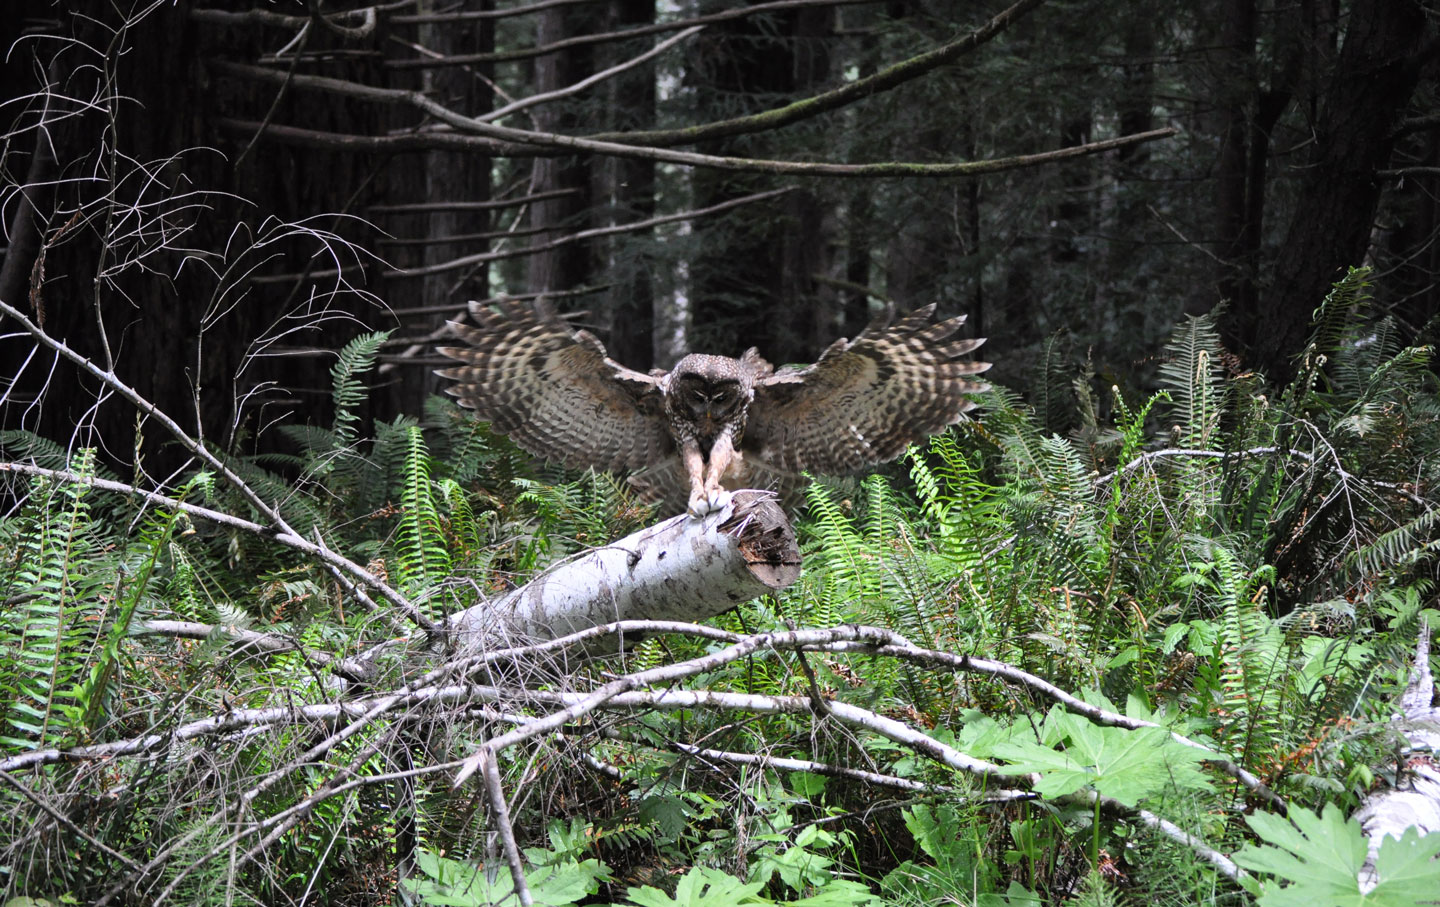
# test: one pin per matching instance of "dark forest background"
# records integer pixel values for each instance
(249, 185)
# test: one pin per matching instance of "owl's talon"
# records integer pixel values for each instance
(703, 503)
(718, 499)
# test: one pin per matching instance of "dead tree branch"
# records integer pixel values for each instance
(589, 81)
(284, 536)
(491, 134)
(804, 109)
(738, 12)
(466, 261)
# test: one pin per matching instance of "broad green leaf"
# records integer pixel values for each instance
(1406, 869)
(452, 883)
(1127, 765)
(839, 893)
(1317, 861)
(700, 887)
(1059, 773)
(1016, 895)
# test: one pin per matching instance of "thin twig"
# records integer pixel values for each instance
(490, 771)
(466, 261)
(765, 760)
(1338, 469)
(590, 81)
(890, 77)
(65, 821)
(527, 53)
(285, 536)
(492, 205)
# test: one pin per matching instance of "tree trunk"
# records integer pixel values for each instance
(1126, 306)
(1330, 229)
(1235, 73)
(752, 283)
(452, 176)
(566, 266)
(626, 190)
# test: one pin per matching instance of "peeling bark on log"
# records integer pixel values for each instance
(681, 569)
(1414, 802)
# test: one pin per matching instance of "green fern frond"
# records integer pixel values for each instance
(154, 540)
(356, 357)
(49, 633)
(465, 444)
(1399, 551)
(26, 446)
(1193, 376)
(1345, 305)
(1052, 383)
(1335, 320)
(421, 556)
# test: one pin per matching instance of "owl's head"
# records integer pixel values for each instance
(710, 392)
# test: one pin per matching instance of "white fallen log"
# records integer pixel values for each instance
(1414, 801)
(681, 569)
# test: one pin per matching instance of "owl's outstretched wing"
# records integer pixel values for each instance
(865, 399)
(554, 392)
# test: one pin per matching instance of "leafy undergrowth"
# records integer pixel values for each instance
(1245, 569)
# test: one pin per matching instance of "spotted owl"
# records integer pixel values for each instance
(711, 423)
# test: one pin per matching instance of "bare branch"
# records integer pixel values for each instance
(804, 109)
(525, 9)
(461, 310)
(351, 669)
(736, 12)
(64, 820)
(466, 261)
(283, 535)
(491, 134)
(1224, 864)
(364, 15)
(494, 204)
(971, 665)
(590, 81)
(765, 760)
(1144, 459)
(501, 811)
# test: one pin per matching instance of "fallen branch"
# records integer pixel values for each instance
(644, 690)
(285, 536)
(681, 569)
(971, 665)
